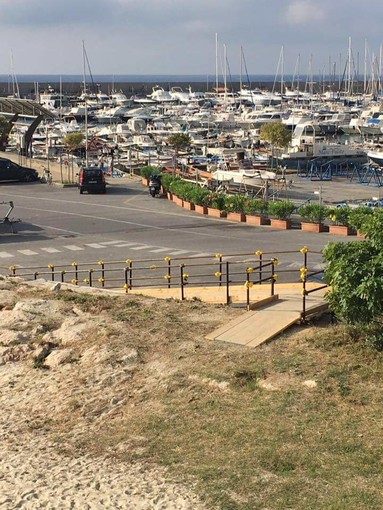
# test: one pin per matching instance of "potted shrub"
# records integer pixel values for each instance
(175, 189)
(216, 205)
(358, 218)
(256, 211)
(199, 197)
(187, 195)
(235, 207)
(165, 182)
(147, 171)
(340, 218)
(313, 216)
(281, 210)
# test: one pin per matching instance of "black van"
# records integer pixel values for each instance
(92, 179)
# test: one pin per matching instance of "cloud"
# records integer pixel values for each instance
(304, 11)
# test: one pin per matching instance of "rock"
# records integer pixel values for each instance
(9, 337)
(310, 384)
(15, 353)
(56, 287)
(71, 330)
(58, 357)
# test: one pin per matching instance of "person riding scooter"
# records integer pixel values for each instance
(155, 184)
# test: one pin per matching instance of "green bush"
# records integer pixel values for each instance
(313, 213)
(359, 216)
(147, 171)
(340, 215)
(281, 209)
(166, 180)
(217, 201)
(235, 203)
(256, 207)
(199, 196)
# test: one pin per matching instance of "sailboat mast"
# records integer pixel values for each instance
(86, 107)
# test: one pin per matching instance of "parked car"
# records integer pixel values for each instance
(91, 179)
(10, 171)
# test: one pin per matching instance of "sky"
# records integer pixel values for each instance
(179, 36)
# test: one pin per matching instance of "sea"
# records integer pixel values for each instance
(138, 83)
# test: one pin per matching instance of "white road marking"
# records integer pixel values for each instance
(51, 250)
(179, 252)
(159, 250)
(95, 245)
(143, 247)
(112, 242)
(28, 252)
(123, 245)
(73, 247)
(5, 254)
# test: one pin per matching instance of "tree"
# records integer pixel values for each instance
(355, 273)
(276, 134)
(178, 141)
(73, 141)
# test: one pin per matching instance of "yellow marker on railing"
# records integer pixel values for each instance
(167, 276)
(304, 249)
(101, 280)
(167, 259)
(259, 253)
(86, 280)
(51, 266)
(218, 274)
(276, 262)
(250, 270)
(100, 262)
(74, 264)
(128, 261)
(218, 255)
(153, 267)
(248, 285)
(304, 292)
(275, 277)
(74, 281)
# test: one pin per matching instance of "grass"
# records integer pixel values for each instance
(203, 410)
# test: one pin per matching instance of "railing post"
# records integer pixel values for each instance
(273, 277)
(129, 270)
(102, 279)
(182, 282)
(62, 275)
(75, 279)
(169, 273)
(249, 284)
(36, 274)
(227, 283)
(260, 265)
(219, 257)
(90, 277)
(52, 268)
(304, 271)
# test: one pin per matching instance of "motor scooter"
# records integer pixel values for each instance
(154, 185)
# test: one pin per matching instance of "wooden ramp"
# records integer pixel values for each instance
(256, 327)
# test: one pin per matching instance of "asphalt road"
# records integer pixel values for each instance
(60, 226)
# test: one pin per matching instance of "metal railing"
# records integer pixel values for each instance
(249, 269)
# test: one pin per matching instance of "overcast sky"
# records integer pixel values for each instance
(179, 36)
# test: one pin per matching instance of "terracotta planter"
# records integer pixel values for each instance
(177, 200)
(257, 220)
(235, 216)
(169, 195)
(216, 213)
(282, 224)
(359, 234)
(312, 227)
(340, 230)
(145, 181)
(188, 205)
(201, 209)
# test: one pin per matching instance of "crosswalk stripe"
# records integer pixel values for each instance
(51, 250)
(143, 247)
(123, 245)
(95, 245)
(5, 254)
(179, 252)
(202, 255)
(28, 252)
(73, 247)
(159, 250)
(112, 242)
